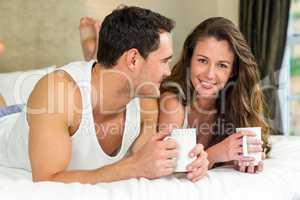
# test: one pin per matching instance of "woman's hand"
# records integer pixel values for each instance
(198, 168)
(231, 148)
(249, 167)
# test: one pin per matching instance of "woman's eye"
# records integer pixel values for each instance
(202, 61)
(222, 65)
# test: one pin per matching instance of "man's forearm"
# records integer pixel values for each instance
(124, 169)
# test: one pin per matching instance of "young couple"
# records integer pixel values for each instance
(89, 122)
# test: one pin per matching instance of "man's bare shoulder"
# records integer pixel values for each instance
(54, 93)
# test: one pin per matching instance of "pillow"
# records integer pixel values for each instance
(4, 111)
(15, 87)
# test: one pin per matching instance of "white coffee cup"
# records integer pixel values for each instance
(186, 141)
(257, 130)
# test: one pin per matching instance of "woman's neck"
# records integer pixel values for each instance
(202, 115)
(204, 106)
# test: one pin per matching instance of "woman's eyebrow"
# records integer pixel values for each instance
(202, 56)
(225, 61)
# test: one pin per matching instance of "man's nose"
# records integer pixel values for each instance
(167, 71)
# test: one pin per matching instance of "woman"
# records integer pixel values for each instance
(214, 87)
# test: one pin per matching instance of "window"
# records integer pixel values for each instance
(290, 74)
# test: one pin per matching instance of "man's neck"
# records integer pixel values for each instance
(111, 90)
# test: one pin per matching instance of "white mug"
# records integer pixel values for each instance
(186, 141)
(257, 130)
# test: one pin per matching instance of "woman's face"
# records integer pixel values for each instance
(211, 66)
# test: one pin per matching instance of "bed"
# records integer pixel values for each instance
(280, 179)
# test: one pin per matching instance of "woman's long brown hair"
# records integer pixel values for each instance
(241, 102)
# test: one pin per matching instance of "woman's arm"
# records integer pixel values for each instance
(230, 149)
(171, 116)
(171, 112)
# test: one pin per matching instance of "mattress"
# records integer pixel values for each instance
(280, 180)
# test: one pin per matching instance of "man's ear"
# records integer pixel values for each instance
(132, 57)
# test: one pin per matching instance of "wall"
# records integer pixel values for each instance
(40, 33)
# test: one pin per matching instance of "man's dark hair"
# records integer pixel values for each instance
(130, 27)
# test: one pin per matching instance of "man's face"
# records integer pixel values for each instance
(155, 68)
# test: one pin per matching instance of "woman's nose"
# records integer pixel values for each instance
(210, 72)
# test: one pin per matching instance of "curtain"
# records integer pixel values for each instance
(264, 24)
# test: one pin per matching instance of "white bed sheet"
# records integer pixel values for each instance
(280, 180)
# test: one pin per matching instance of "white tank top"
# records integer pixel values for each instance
(86, 150)
(185, 120)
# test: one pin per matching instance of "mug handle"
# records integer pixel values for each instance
(245, 146)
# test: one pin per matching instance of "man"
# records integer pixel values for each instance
(84, 117)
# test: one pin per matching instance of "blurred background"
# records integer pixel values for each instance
(293, 60)
(39, 33)
(43, 33)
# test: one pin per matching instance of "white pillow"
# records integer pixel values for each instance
(15, 87)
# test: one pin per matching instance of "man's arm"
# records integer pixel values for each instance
(49, 137)
(149, 117)
(50, 145)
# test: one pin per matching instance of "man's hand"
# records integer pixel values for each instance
(156, 158)
(198, 168)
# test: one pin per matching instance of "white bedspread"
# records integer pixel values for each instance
(280, 180)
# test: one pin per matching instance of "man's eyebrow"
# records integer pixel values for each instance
(167, 58)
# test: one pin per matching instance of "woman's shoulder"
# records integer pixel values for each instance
(171, 110)
(148, 108)
(171, 101)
